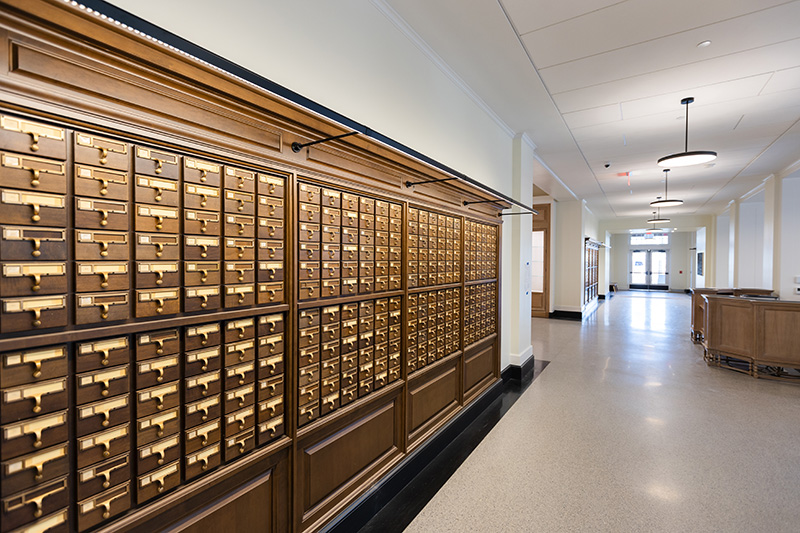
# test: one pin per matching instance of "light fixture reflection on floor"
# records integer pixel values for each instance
(686, 158)
(666, 202)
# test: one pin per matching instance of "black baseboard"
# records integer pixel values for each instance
(567, 315)
(521, 374)
(368, 505)
(602, 297)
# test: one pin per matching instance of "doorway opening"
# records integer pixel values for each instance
(649, 270)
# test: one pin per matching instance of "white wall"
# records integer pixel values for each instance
(569, 256)
(700, 245)
(750, 262)
(721, 251)
(790, 250)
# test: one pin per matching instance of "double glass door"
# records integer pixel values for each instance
(649, 270)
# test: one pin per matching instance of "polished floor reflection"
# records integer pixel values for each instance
(628, 430)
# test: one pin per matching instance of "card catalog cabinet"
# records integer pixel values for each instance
(188, 307)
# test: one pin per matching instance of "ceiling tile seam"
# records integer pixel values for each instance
(663, 36)
(683, 65)
(573, 18)
(767, 82)
(560, 114)
(409, 32)
(750, 163)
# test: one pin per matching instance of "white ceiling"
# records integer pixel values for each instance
(600, 81)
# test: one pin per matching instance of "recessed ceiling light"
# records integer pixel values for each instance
(703, 44)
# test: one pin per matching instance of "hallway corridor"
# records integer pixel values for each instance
(628, 430)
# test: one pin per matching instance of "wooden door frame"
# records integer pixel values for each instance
(541, 222)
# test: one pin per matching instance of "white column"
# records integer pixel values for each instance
(516, 285)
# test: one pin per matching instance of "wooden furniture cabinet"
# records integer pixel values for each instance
(199, 327)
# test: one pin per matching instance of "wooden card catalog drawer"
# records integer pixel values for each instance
(94, 150)
(151, 428)
(269, 324)
(269, 388)
(270, 345)
(330, 350)
(101, 353)
(240, 295)
(269, 293)
(367, 205)
(202, 299)
(23, 314)
(329, 403)
(202, 273)
(155, 163)
(203, 385)
(349, 219)
(152, 456)
(348, 395)
(203, 460)
(239, 249)
(151, 372)
(201, 222)
(32, 173)
(104, 414)
(241, 226)
(101, 307)
(203, 172)
(236, 330)
(308, 356)
(203, 410)
(157, 343)
(202, 360)
(331, 216)
(270, 228)
(32, 208)
(203, 435)
(196, 337)
(101, 182)
(19, 438)
(201, 197)
(27, 506)
(270, 271)
(103, 506)
(309, 214)
(307, 413)
(99, 477)
(33, 365)
(239, 375)
(154, 218)
(309, 270)
(26, 243)
(271, 185)
(240, 179)
(154, 247)
(239, 398)
(240, 272)
(239, 202)
(349, 344)
(239, 444)
(270, 430)
(157, 302)
(94, 213)
(28, 136)
(309, 375)
(239, 352)
(349, 236)
(268, 250)
(201, 248)
(100, 446)
(154, 274)
(101, 276)
(101, 245)
(94, 386)
(309, 290)
(309, 193)
(158, 482)
(240, 420)
(157, 399)
(271, 366)
(269, 409)
(331, 198)
(34, 469)
(270, 207)
(308, 393)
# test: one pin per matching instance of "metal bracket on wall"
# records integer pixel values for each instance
(296, 146)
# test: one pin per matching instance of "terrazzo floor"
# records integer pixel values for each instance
(628, 430)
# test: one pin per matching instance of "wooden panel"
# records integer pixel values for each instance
(432, 397)
(731, 326)
(251, 508)
(777, 330)
(479, 370)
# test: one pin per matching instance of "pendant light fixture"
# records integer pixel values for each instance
(686, 158)
(666, 202)
(657, 218)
